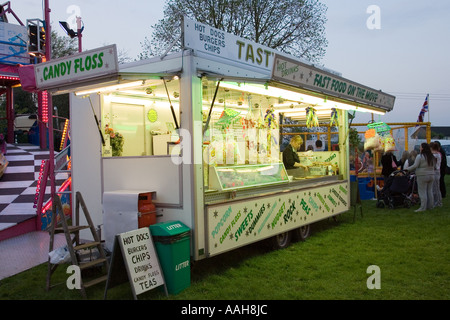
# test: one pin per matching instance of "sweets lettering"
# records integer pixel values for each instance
(243, 225)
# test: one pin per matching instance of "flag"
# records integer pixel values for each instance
(423, 110)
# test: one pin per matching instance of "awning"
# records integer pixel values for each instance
(9, 75)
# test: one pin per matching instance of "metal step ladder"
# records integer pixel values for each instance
(73, 242)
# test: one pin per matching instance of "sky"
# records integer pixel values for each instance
(398, 46)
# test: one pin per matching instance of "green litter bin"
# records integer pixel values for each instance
(172, 243)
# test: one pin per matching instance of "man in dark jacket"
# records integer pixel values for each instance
(443, 170)
(388, 160)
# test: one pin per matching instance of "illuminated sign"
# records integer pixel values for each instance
(82, 66)
(308, 77)
(201, 37)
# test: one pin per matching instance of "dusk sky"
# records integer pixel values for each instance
(400, 47)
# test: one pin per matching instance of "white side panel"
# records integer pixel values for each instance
(120, 214)
(149, 174)
(86, 158)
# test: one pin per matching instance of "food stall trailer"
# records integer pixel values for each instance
(199, 129)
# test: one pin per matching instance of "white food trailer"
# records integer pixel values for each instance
(201, 129)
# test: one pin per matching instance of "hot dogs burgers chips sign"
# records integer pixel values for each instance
(82, 66)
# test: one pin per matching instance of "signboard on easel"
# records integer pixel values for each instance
(136, 261)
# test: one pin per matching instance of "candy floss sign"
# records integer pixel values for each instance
(86, 65)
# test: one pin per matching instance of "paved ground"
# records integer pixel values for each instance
(26, 251)
(17, 199)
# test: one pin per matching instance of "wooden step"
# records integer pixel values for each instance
(92, 263)
(71, 239)
(95, 281)
(71, 229)
(86, 245)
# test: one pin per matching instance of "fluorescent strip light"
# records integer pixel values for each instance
(149, 96)
(127, 100)
(216, 109)
(111, 88)
(272, 92)
(303, 114)
(354, 108)
(318, 103)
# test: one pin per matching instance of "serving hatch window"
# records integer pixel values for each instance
(252, 123)
(140, 120)
(235, 108)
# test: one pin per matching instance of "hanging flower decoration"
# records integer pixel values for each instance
(260, 123)
(311, 118)
(248, 121)
(116, 140)
(269, 119)
(334, 117)
(228, 117)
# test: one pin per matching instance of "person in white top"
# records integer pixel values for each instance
(424, 169)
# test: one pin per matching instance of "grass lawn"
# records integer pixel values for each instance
(412, 251)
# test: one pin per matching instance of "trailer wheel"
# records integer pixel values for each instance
(281, 241)
(303, 233)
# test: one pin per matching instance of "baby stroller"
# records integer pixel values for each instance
(399, 190)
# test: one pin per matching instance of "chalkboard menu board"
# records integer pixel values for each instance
(136, 261)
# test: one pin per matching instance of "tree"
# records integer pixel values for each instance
(63, 46)
(296, 27)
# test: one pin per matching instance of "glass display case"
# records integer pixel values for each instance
(226, 178)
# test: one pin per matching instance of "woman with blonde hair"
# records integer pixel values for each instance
(405, 156)
(290, 156)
